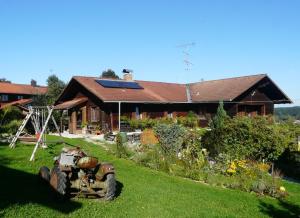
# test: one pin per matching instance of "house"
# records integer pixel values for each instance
(103, 101)
(19, 94)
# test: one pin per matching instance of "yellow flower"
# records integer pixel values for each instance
(232, 166)
(242, 163)
(231, 171)
(263, 167)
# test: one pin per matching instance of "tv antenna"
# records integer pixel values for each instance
(185, 50)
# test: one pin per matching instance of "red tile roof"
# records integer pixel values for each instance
(223, 89)
(152, 92)
(12, 88)
(161, 92)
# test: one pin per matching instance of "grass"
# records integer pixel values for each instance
(142, 192)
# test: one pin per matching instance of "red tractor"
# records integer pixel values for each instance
(76, 174)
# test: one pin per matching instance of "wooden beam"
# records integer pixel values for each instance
(73, 122)
(84, 115)
(111, 121)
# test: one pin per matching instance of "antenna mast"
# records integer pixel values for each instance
(185, 50)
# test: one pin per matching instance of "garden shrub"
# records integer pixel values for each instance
(192, 144)
(192, 156)
(12, 127)
(10, 119)
(289, 161)
(170, 137)
(152, 157)
(244, 175)
(243, 137)
(121, 150)
(146, 123)
(268, 185)
(289, 164)
(148, 137)
(291, 132)
(148, 158)
(190, 121)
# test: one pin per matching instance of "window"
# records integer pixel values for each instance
(4, 97)
(94, 114)
(20, 97)
(170, 114)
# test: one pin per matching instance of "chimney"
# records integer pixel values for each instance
(127, 75)
(33, 83)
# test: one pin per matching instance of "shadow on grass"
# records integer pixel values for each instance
(4, 144)
(285, 209)
(119, 188)
(21, 188)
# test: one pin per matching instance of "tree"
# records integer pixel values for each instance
(170, 137)
(4, 80)
(219, 119)
(109, 73)
(55, 88)
(33, 83)
(39, 100)
(213, 139)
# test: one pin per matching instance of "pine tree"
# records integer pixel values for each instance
(219, 119)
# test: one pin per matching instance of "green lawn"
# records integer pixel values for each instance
(142, 192)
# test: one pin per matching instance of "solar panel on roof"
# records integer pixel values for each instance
(119, 84)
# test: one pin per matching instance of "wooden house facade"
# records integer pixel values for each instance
(101, 102)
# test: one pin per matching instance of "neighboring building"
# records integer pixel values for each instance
(100, 101)
(19, 94)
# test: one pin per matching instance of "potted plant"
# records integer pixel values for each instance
(98, 130)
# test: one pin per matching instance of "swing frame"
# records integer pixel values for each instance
(39, 117)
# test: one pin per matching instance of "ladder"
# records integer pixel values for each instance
(42, 133)
(15, 138)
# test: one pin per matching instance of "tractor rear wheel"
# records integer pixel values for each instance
(59, 181)
(44, 173)
(110, 190)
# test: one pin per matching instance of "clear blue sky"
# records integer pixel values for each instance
(233, 38)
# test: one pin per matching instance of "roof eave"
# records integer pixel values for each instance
(289, 101)
(286, 101)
